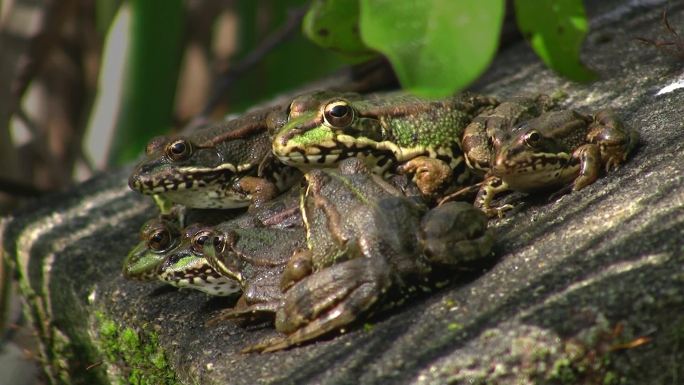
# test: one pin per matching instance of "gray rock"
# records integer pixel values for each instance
(588, 288)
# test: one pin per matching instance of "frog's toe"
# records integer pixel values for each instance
(330, 299)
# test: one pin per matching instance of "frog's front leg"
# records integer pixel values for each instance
(430, 174)
(491, 186)
(260, 189)
(589, 158)
(261, 298)
(328, 300)
(615, 141)
(454, 234)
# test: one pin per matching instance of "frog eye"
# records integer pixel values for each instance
(159, 240)
(338, 114)
(532, 138)
(179, 150)
(200, 239)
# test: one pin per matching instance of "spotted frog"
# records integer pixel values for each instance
(174, 255)
(226, 165)
(558, 149)
(364, 242)
(392, 132)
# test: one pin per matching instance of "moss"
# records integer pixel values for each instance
(133, 357)
(453, 326)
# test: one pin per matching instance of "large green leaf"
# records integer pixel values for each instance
(556, 29)
(334, 24)
(436, 46)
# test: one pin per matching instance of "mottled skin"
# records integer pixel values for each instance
(559, 149)
(392, 132)
(256, 258)
(226, 165)
(167, 253)
(364, 241)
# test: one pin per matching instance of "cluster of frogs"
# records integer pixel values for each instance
(351, 200)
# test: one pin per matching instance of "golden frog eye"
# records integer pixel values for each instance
(338, 114)
(179, 150)
(532, 138)
(199, 240)
(159, 240)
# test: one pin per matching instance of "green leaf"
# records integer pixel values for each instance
(436, 46)
(555, 29)
(334, 24)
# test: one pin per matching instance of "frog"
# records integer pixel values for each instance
(225, 165)
(185, 266)
(163, 241)
(256, 258)
(562, 150)
(364, 242)
(169, 254)
(393, 132)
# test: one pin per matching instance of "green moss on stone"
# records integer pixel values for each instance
(135, 357)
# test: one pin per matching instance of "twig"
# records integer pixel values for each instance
(233, 73)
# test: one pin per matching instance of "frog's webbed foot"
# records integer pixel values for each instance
(328, 300)
(430, 174)
(260, 189)
(490, 187)
(245, 313)
(455, 233)
(615, 141)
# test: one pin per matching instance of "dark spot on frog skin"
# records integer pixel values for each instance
(323, 32)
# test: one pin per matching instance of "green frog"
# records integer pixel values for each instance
(558, 149)
(364, 241)
(392, 132)
(226, 165)
(186, 267)
(256, 258)
(165, 251)
(169, 254)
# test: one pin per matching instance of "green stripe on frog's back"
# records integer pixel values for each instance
(384, 129)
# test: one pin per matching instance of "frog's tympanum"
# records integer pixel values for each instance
(222, 166)
(393, 132)
(364, 243)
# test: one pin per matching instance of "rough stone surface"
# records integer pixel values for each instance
(588, 288)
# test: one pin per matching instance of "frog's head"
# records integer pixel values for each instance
(199, 170)
(186, 266)
(538, 154)
(157, 238)
(324, 128)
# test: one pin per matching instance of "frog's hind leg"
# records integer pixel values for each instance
(328, 300)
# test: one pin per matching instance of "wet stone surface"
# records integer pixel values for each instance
(588, 288)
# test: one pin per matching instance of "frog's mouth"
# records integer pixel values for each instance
(149, 179)
(536, 171)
